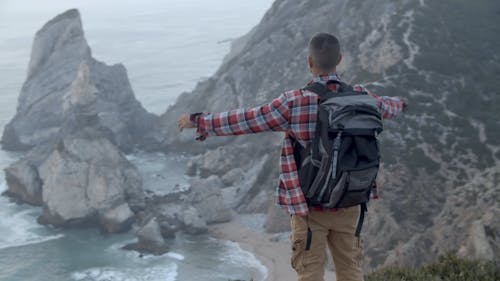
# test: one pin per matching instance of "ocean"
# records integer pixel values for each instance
(167, 47)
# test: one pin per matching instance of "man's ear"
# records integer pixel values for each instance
(310, 62)
(339, 59)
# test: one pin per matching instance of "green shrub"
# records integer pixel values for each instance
(447, 268)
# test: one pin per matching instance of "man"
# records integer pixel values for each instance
(295, 113)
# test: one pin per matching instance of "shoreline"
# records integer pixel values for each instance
(274, 255)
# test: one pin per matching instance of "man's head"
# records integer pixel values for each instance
(324, 53)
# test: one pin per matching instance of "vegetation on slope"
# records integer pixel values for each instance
(447, 268)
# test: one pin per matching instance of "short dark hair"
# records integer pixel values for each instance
(324, 48)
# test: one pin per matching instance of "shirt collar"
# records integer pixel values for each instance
(323, 78)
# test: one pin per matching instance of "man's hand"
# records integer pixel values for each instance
(405, 103)
(185, 122)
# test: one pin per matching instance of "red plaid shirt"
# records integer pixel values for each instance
(293, 112)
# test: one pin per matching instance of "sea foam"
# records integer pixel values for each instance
(163, 273)
(18, 226)
(236, 255)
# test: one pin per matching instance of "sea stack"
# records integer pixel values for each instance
(77, 117)
(62, 76)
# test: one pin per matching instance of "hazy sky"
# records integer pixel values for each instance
(147, 36)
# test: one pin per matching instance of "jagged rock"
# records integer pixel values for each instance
(193, 221)
(174, 217)
(23, 182)
(150, 239)
(63, 76)
(117, 219)
(206, 197)
(22, 177)
(150, 233)
(87, 177)
(168, 218)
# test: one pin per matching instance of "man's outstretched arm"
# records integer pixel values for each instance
(390, 107)
(268, 117)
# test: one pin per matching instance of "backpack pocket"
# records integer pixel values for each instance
(353, 188)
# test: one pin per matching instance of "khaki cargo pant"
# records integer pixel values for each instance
(335, 229)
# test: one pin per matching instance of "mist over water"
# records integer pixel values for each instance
(166, 46)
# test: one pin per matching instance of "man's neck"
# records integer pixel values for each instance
(326, 77)
(316, 72)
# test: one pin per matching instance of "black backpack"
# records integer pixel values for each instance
(339, 167)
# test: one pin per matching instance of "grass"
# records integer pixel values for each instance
(447, 268)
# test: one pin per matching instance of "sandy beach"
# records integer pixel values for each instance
(274, 255)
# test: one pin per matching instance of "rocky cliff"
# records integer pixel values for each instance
(440, 183)
(441, 174)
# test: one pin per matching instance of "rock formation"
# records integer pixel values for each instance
(150, 239)
(23, 182)
(86, 177)
(446, 141)
(62, 76)
(76, 117)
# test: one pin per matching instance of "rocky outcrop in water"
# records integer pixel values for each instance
(149, 239)
(23, 182)
(433, 154)
(63, 76)
(85, 178)
(81, 179)
(76, 116)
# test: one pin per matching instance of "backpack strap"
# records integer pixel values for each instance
(361, 219)
(317, 148)
(324, 93)
(320, 89)
(343, 87)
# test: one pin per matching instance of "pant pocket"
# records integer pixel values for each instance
(358, 252)
(298, 252)
(298, 242)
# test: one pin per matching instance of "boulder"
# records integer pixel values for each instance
(23, 182)
(168, 218)
(192, 220)
(174, 217)
(62, 76)
(22, 177)
(207, 198)
(150, 239)
(117, 219)
(86, 177)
